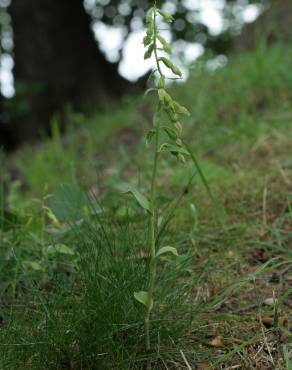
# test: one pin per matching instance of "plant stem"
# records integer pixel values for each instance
(155, 44)
(152, 229)
(153, 213)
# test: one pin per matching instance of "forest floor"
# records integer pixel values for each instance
(69, 267)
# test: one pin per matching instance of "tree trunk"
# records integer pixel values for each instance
(274, 25)
(57, 62)
(6, 139)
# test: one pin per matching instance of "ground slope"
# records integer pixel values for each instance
(238, 247)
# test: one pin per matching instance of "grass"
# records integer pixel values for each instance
(81, 310)
(75, 310)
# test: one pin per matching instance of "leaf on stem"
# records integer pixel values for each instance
(167, 249)
(147, 40)
(168, 18)
(143, 297)
(171, 107)
(161, 82)
(174, 149)
(161, 94)
(59, 248)
(149, 136)
(178, 127)
(149, 91)
(171, 132)
(33, 265)
(140, 198)
(149, 52)
(52, 217)
(166, 99)
(180, 109)
(149, 16)
(150, 78)
(164, 43)
(180, 157)
(175, 70)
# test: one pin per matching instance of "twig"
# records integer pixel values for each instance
(266, 342)
(265, 193)
(247, 308)
(185, 360)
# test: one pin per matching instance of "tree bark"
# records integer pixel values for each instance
(6, 139)
(57, 63)
(274, 25)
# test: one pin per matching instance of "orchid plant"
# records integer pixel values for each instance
(168, 110)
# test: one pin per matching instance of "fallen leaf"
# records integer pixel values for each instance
(284, 337)
(230, 253)
(232, 341)
(203, 367)
(283, 321)
(268, 321)
(217, 342)
(269, 301)
(261, 255)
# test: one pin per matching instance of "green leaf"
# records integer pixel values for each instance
(174, 149)
(149, 16)
(167, 249)
(150, 30)
(171, 132)
(149, 136)
(176, 71)
(164, 43)
(180, 157)
(168, 104)
(36, 266)
(171, 66)
(161, 94)
(172, 115)
(150, 78)
(143, 297)
(168, 63)
(148, 52)
(68, 203)
(140, 198)
(178, 127)
(126, 214)
(181, 109)
(161, 82)
(147, 40)
(149, 91)
(52, 217)
(168, 18)
(166, 99)
(59, 248)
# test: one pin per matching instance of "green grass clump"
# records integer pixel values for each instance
(84, 315)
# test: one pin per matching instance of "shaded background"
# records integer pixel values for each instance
(80, 55)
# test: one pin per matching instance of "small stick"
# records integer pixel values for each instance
(185, 360)
(265, 192)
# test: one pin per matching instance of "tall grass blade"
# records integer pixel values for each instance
(219, 212)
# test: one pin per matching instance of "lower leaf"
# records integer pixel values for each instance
(143, 297)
